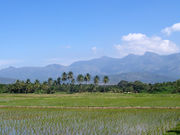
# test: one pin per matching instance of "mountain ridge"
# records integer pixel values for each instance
(143, 66)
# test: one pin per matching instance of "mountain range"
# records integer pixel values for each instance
(149, 68)
(4, 80)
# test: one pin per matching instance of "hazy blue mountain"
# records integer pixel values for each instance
(6, 80)
(149, 67)
(166, 65)
(40, 73)
(144, 77)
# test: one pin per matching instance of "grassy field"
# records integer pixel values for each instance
(91, 100)
(87, 121)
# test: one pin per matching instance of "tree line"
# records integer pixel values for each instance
(140, 87)
(86, 83)
(66, 83)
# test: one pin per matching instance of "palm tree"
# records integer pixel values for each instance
(17, 81)
(87, 77)
(37, 85)
(73, 81)
(70, 76)
(50, 81)
(28, 81)
(22, 87)
(28, 87)
(80, 78)
(17, 86)
(58, 81)
(45, 86)
(55, 83)
(36, 82)
(106, 79)
(96, 80)
(64, 76)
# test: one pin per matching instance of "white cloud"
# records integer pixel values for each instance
(171, 29)
(138, 43)
(94, 49)
(133, 36)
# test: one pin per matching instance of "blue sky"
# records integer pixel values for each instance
(42, 32)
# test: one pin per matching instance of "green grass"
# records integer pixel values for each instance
(91, 100)
(87, 121)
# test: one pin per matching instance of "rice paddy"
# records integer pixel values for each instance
(22, 119)
(87, 121)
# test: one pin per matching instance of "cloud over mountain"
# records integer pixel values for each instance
(138, 43)
(169, 30)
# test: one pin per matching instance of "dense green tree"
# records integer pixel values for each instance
(138, 86)
(4, 88)
(123, 85)
(177, 86)
(45, 87)
(29, 87)
(37, 86)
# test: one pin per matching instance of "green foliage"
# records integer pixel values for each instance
(80, 78)
(70, 76)
(3, 88)
(68, 84)
(139, 87)
(96, 80)
(87, 78)
(64, 77)
(106, 79)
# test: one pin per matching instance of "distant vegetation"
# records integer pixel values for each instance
(82, 83)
